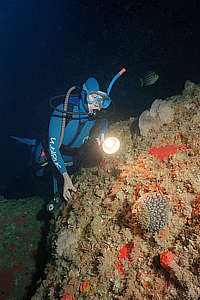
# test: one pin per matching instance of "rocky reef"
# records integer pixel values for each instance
(99, 250)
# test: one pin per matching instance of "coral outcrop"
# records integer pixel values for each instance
(112, 257)
(152, 211)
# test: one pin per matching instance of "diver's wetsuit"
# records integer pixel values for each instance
(76, 132)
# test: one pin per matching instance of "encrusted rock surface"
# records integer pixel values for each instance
(113, 258)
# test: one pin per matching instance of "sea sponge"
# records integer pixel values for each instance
(152, 212)
(161, 112)
(147, 122)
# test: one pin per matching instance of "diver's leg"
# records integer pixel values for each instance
(55, 185)
(56, 202)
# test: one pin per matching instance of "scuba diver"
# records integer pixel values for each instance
(66, 140)
(69, 137)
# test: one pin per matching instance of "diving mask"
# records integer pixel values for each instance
(97, 98)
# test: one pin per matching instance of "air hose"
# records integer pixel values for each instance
(62, 110)
(64, 113)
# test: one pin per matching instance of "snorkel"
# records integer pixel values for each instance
(94, 95)
(114, 79)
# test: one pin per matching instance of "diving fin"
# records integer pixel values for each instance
(31, 142)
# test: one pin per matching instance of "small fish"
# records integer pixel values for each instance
(148, 79)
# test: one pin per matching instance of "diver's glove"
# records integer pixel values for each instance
(100, 139)
(101, 136)
(67, 187)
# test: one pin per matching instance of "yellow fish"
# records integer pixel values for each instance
(148, 79)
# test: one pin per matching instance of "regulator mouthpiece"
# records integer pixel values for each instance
(111, 145)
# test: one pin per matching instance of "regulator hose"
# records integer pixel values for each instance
(64, 113)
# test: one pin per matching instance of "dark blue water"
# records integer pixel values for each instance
(48, 46)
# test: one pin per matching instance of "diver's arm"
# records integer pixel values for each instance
(54, 138)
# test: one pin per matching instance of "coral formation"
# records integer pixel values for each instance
(64, 240)
(159, 175)
(152, 211)
(184, 276)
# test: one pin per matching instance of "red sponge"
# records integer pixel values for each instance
(163, 152)
(166, 258)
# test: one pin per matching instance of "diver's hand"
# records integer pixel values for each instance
(100, 139)
(67, 187)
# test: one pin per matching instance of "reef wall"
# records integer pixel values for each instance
(132, 231)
